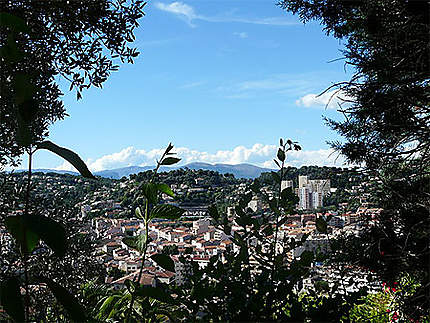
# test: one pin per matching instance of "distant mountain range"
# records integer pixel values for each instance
(239, 170)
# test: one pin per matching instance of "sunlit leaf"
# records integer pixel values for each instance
(164, 188)
(150, 191)
(166, 211)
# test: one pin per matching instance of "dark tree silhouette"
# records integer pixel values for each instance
(41, 41)
(387, 125)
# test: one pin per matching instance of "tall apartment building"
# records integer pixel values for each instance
(311, 192)
(304, 202)
(303, 181)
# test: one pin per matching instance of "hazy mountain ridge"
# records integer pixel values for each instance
(239, 170)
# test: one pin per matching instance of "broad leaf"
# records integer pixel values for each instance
(164, 261)
(150, 191)
(131, 287)
(138, 243)
(164, 188)
(69, 301)
(170, 160)
(68, 155)
(11, 299)
(281, 155)
(50, 231)
(138, 213)
(288, 199)
(156, 293)
(14, 23)
(166, 211)
(19, 228)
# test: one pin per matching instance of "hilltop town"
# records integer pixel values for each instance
(104, 210)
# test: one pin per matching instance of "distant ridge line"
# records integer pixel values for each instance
(239, 170)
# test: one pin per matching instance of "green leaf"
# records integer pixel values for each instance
(156, 293)
(166, 211)
(281, 155)
(321, 225)
(14, 23)
(50, 231)
(164, 188)
(138, 243)
(164, 261)
(170, 161)
(20, 230)
(150, 191)
(68, 155)
(130, 285)
(69, 301)
(138, 213)
(11, 299)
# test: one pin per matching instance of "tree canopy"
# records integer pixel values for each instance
(42, 41)
(386, 127)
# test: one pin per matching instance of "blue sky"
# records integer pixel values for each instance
(221, 80)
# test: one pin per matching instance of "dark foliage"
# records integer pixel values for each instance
(387, 125)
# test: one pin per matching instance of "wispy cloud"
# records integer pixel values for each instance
(188, 14)
(241, 34)
(179, 9)
(258, 154)
(192, 85)
(281, 84)
(330, 100)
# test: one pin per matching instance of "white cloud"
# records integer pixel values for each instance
(330, 99)
(180, 9)
(188, 13)
(258, 154)
(241, 34)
